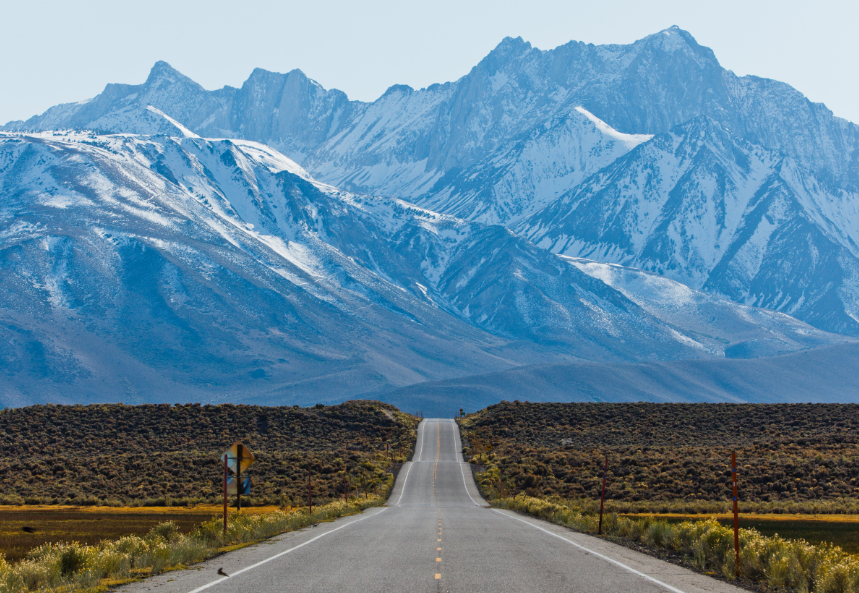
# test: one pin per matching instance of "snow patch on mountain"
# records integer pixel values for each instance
(630, 141)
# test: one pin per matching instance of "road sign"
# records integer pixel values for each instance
(232, 455)
(246, 486)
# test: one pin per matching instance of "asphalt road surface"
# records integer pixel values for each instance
(435, 534)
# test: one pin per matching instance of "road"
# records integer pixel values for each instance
(435, 534)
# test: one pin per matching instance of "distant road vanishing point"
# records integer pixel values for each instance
(435, 534)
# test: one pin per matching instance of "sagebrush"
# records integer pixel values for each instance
(155, 455)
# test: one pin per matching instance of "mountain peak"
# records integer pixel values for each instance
(511, 46)
(399, 88)
(160, 69)
(672, 39)
(164, 72)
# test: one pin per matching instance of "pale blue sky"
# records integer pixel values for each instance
(59, 51)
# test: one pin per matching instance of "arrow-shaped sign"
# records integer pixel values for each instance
(236, 454)
(232, 486)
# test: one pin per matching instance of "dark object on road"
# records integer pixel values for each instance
(222, 573)
(28, 529)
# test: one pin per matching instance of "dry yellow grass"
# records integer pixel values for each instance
(70, 566)
(24, 527)
(750, 517)
(199, 509)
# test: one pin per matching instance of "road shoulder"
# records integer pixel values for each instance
(676, 578)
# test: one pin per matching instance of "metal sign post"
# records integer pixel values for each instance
(237, 458)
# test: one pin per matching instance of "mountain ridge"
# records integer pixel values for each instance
(780, 112)
(220, 269)
(373, 241)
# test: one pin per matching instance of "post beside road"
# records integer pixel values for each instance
(237, 458)
(736, 514)
(226, 470)
(602, 498)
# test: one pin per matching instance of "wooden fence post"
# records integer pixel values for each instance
(602, 499)
(736, 514)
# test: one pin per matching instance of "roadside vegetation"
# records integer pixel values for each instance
(708, 546)
(547, 460)
(74, 566)
(163, 455)
(24, 528)
(84, 480)
(675, 457)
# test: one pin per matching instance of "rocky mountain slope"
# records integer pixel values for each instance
(137, 266)
(704, 208)
(747, 191)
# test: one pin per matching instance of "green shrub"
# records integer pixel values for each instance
(71, 560)
(167, 530)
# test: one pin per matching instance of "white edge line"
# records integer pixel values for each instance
(423, 437)
(405, 481)
(464, 483)
(252, 566)
(457, 453)
(588, 550)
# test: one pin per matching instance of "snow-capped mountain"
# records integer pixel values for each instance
(407, 140)
(525, 128)
(144, 252)
(133, 266)
(716, 213)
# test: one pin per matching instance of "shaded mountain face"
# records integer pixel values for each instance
(132, 267)
(709, 210)
(799, 378)
(760, 212)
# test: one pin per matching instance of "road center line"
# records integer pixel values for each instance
(261, 562)
(589, 551)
